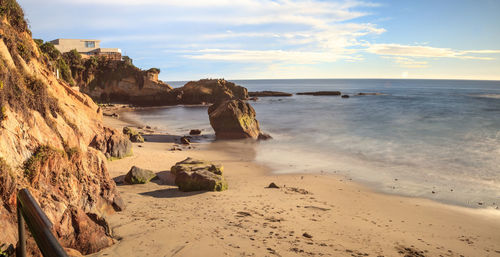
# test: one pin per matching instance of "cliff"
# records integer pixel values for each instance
(46, 128)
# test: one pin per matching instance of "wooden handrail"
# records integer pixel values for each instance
(29, 212)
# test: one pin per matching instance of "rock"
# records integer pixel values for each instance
(345, 96)
(115, 115)
(195, 175)
(318, 93)
(133, 135)
(137, 175)
(185, 140)
(253, 99)
(195, 132)
(370, 94)
(209, 91)
(306, 235)
(233, 119)
(268, 94)
(264, 136)
(112, 142)
(273, 185)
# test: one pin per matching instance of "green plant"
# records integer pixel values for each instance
(32, 165)
(50, 50)
(38, 42)
(14, 14)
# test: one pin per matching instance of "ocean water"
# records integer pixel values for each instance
(437, 139)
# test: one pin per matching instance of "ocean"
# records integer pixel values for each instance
(437, 139)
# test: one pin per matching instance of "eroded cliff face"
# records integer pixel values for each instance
(121, 82)
(45, 131)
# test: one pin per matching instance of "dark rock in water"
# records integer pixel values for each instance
(112, 142)
(233, 119)
(273, 185)
(264, 136)
(134, 136)
(253, 99)
(306, 235)
(115, 115)
(318, 93)
(195, 132)
(370, 94)
(268, 93)
(196, 175)
(185, 140)
(137, 175)
(345, 96)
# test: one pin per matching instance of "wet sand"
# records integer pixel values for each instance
(310, 215)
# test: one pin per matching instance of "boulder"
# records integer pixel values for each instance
(113, 143)
(268, 93)
(196, 175)
(345, 96)
(209, 91)
(318, 93)
(133, 135)
(233, 119)
(137, 175)
(195, 132)
(264, 136)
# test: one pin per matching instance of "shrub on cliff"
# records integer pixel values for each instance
(14, 14)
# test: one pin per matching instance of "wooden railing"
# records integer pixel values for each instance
(29, 212)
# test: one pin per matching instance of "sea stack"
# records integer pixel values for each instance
(233, 119)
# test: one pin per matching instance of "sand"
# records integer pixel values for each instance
(310, 215)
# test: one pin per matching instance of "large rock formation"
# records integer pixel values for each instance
(233, 119)
(122, 82)
(45, 131)
(112, 143)
(209, 91)
(196, 175)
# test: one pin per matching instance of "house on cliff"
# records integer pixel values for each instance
(87, 48)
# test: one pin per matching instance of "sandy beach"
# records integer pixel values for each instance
(310, 215)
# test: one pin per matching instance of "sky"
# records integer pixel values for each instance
(285, 39)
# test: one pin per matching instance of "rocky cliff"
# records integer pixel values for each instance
(46, 128)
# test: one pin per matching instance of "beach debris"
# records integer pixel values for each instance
(298, 190)
(137, 175)
(307, 235)
(195, 132)
(133, 135)
(186, 140)
(195, 175)
(242, 214)
(409, 251)
(316, 208)
(273, 185)
(345, 96)
(433, 191)
(233, 119)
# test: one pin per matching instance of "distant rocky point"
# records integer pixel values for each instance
(268, 94)
(320, 93)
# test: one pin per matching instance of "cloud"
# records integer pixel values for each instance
(427, 51)
(408, 62)
(266, 56)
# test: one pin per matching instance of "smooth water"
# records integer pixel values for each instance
(438, 139)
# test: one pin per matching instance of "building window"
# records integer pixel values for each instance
(90, 44)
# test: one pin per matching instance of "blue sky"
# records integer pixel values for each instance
(264, 39)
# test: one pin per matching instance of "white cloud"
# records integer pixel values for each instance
(427, 51)
(266, 56)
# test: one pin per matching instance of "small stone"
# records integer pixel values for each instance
(306, 235)
(273, 185)
(345, 96)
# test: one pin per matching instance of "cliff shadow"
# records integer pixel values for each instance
(170, 193)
